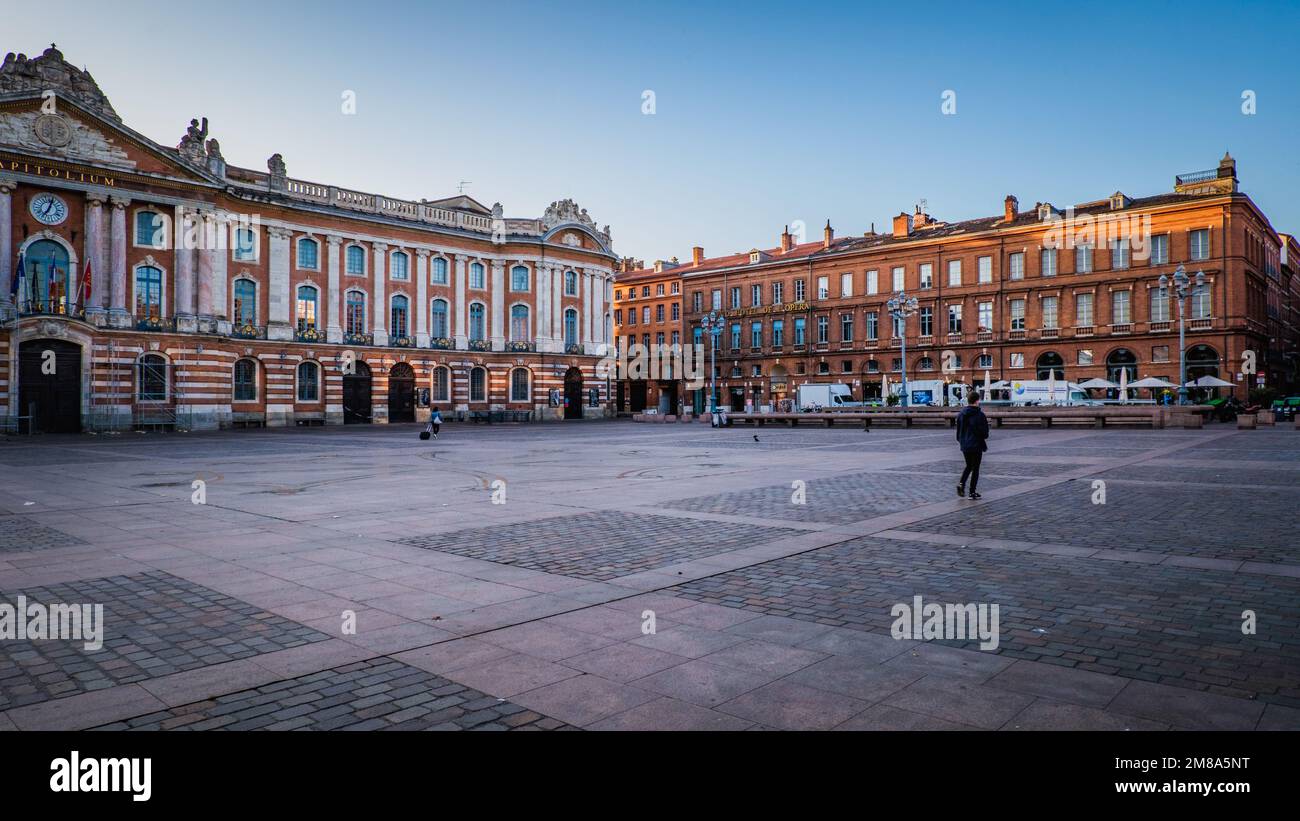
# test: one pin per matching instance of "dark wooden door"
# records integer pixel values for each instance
(401, 399)
(49, 385)
(573, 394)
(356, 399)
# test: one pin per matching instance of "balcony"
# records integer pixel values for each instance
(309, 335)
(358, 339)
(442, 343)
(156, 324)
(925, 340)
(1016, 334)
(1050, 333)
(401, 341)
(1161, 327)
(59, 307)
(1199, 324)
(1122, 328)
(573, 347)
(520, 347)
(1084, 330)
(480, 345)
(248, 331)
(983, 336)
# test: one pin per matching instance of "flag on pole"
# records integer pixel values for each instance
(18, 272)
(85, 286)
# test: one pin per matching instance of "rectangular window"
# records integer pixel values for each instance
(823, 330)
(1120, 313)
(675, 289)
(1083, 309)
(1017, 314)
(756, 295)
(716, 299)
(846, 327)
(1201, 302)
(645, 314)
(631, 315)
(1017, 360)
(927, 275)
(659, 312)
(873, 282)
(954, 319)
(756, 335)
(1049, 312)
(1016, 265)
(477, 275)
(1160, 353)
(1119, 254)
(778, 333)
(898, 277)
(735, 336)
(984, 316)
(401, 266)
(735, 297)
(927, 321)
(954, 272)
(1083, 259)
(799, 290)
(846, 285)
(1199, 244)
(1159, 305)
(439, 271)
(778, 293)
(697, 302)
(676, 311)
(659, 289)
(985, 270)
(1047, 262)
(1084, 356)
(1159, 249)
(823, 287)
(799, 330)
(873, 326)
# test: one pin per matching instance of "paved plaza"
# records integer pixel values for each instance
(614, 575)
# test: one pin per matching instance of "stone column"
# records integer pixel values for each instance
(557, 305)
(220, 269)
(380, 311)
(588, 303)
(183, 272)
(460, 309)
(334, 312)
(422, 297)
(498, 305)
(117, 313)
(542, 319)
(7, 260)
(95, 256)
(208, 235)
(279, 299)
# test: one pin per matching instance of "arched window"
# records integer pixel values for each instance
(476, 321)
(519, 385)
(925, 363)
(400, 311)
(46, 266)
(477, 278)
(356, 312)
(151, 381)
(148, 292)
(985, 360)
(570, 327)
(570, 283)
(438, 317)
(439, 271)
(245, 312)
(441, 384)
(150, 230)
(308, 382)
(308, 254)
(356, 260)
(306, 312)
(519, 278)
(245, 245)
(1121, 359)
(401, 265)
(246, 380)
(478, 385)
(1050, 362)
(519, 323)
(1202, 360)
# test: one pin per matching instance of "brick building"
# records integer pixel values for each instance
(1017, 295)
(647, 311)
(167, 287)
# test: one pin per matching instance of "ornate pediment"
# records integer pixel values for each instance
(60, 135)
(562, 211)
(50, 72)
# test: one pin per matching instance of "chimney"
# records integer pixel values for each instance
(787, 241)
(1010, 208)
(920, 219)
(828, 234)
(697, 255)
(902, 225)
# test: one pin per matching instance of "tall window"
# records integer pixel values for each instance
(984, 315)
(1199, 244)
(245, 245)
(697, 301)
(778, 293)
(735, 335)
(245, 381)
(1120, 312)
(306, 312)
(308, 382)
(823, 330)
(570, 327)
(519, 323)
(778, 333)
(1082, 258)
(1047, 262)
(1083, 309)
(1159, 305)
(439, 271)
(441, 384)
(438, 318)
(148, 292)
(799, 292)
(873, 326)
(1017, 314)
(898, 274)
(1201, 302)
(735, 297)
(756, 295)
(985, 270)
(477, 275)
(1050, 318)
(954, 319)
(245, 302)
(1119, 253)
(846, 327)
(477, 331)
(846, 285)
(823, 287)
(1159, 249)
(355, 259)
(519, 385)
(356, 312)
(927, 321)
(954, 272)
(1016, 265)
(308, 254)
(151, 381)
(570, 283)
(400, 266)
(927, 275)
(400, 312)
(150, 230)
(519, 278)
(799, 330)
(756, 335)
(478, 385)
(873, 282)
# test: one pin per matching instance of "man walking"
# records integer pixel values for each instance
(972, 431)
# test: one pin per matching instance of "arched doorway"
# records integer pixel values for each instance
(401, 393)
(49, 385)
(573, 394)
(1202, 360)
(1049, 362)
(356, 395)
(1121, 359)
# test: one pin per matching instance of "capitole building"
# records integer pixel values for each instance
(161, 286)
(1071, 290)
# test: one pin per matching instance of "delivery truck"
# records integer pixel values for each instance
(817, 397)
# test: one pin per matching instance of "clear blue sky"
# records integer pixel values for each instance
(766, 113)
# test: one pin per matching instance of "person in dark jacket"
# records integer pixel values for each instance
(972, 433)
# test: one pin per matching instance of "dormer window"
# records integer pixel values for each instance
(1118, 201)
(755, 256)
(1045, 211)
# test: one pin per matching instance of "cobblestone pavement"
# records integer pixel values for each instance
(1177, 626)
(597, 546)
(1146, 518)
(21, 534)
(834, 500)
(991, 467)
(369, 695)
(153, 624)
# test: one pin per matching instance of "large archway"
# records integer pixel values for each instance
(573, 393)
(1202, 360)
(401, 393)
(1118, 360)
(1047, 363)
(356, 395)
(49, 385)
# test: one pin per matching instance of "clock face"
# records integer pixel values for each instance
(49, 209)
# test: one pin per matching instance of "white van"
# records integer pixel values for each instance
(931, 392)
(1035, 392)
(825, 396)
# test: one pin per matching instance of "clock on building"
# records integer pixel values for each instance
(49, 209)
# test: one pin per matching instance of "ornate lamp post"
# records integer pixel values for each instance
(901, 306)
(712, 323)
(1182, 287)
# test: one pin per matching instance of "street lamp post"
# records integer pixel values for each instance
(712, 324)
(1182, 287)
(901, 306)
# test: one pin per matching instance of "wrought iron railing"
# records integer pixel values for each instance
(248, 331)
(480, 345)
(573, 347)
(155, 323)
(309, 335)
(442, 343)
(520, 347)
(358, 339)
(401, 341)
